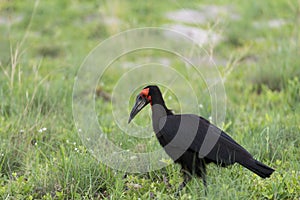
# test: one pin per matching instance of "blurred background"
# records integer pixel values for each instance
(254, 44)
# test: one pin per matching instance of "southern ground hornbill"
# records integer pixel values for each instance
(192, 141)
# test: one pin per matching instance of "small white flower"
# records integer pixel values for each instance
(74, 143)
(40, 131)
(200, 105)
(2, 154)
(67, 141)
(76, 149)
(22, 131)
(79, 130)
(44, 129)
(210, 118)
(35, 144)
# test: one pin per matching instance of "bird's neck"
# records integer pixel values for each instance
(159, 110)
(159, 107)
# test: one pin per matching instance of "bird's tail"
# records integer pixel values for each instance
(257, 167)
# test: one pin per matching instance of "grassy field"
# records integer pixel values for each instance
(42, 45)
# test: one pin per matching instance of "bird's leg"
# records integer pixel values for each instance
(186, 178)
(203, 176)
(205, 186)
(124, 177)
(204, 183)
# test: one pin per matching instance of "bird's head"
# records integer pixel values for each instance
(143, 99)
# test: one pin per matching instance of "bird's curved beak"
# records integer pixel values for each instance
(140, 103)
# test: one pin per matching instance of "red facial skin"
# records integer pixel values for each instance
(145, 93)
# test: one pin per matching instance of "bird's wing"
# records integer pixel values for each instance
(194, 133)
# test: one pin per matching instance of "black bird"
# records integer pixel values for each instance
(193, 141)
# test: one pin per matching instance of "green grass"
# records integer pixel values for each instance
(41, 52)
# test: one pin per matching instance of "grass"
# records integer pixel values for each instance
(42, 46)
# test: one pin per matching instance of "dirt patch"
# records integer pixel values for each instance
(198, 35)
(202, 15)
(7, 20)
(273, 23)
